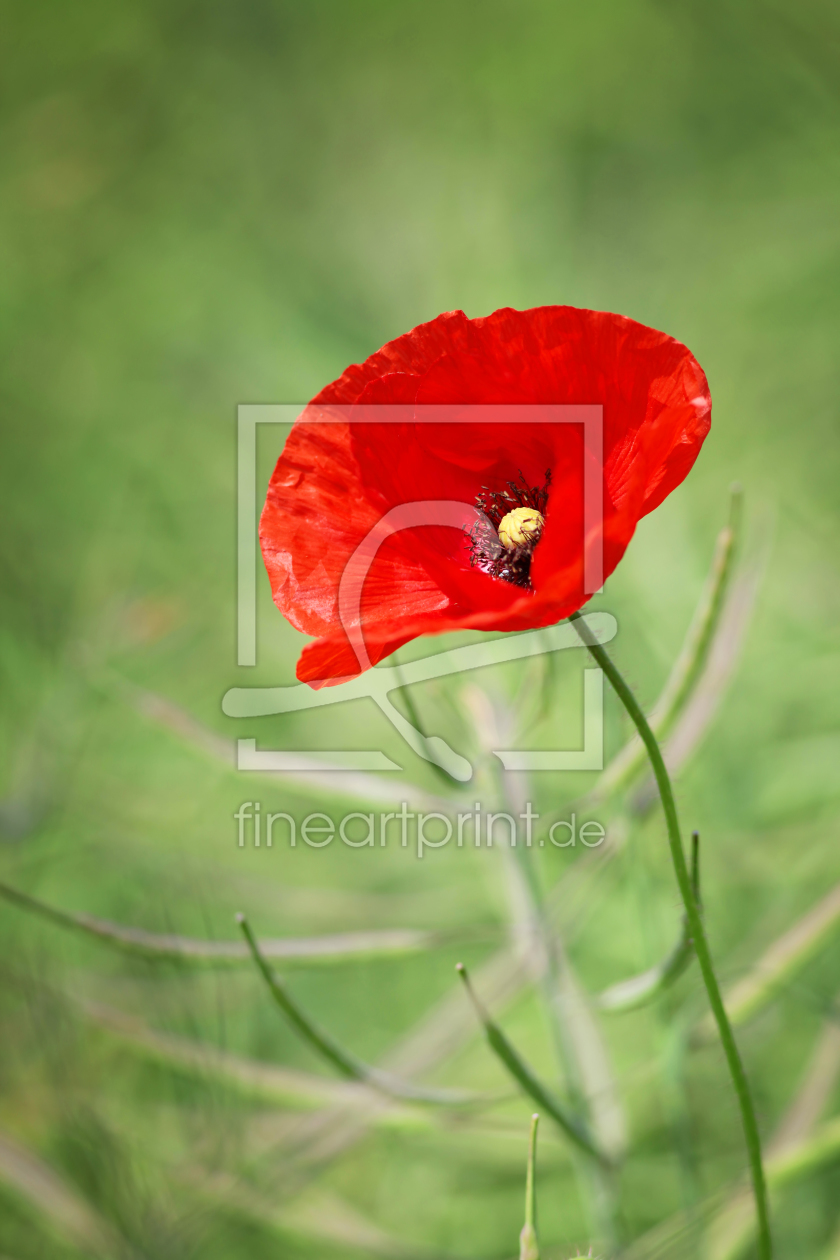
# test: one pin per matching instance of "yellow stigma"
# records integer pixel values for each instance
(520, 527)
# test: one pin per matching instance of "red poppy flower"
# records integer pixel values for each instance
(336, 481)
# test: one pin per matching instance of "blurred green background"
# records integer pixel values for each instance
(211, 203)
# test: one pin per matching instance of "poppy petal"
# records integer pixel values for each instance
(334, 482)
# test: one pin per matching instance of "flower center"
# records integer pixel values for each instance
(520, 527)
(514, 518)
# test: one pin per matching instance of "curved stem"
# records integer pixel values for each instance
(698, 932)
(192, 951)
(346, 1063)
(627, 995)
(525, 1076)
(689, 665)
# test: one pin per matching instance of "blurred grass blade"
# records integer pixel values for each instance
(832, 1251)
(815, 1089)
(447, 1028)
(691, 724)
(528, 1245)
(582, 1053)
(778, 965)
(732, 1231)
(524, 1075)
(60, 1208)
(724, 1231)
(729, 1222)
(636, 991)
(414, 718)
(733, 1228)
(249, 1079)
(695, 651)
(318, 1216)
(629, 994)
(342, 947)
(353, 783)
(345, 1062)
(689, 664)
(605, 1119)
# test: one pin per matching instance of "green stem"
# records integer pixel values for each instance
(191, 951)
(698, 932)
(627, 995)
(596, 1183)
(346, 1063)
(528, 1246)
(530, 1190)
(414, 719)
(524, 1074)
(690, 663)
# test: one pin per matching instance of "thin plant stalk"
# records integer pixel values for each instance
(529, 1248)
(638, 990)
(189, 951)
(698, 931)
(781, 962)
(689, 664)
(521, 859)
(525, 1076)
(414, 719)
(345, 1062)
(596, 1182)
